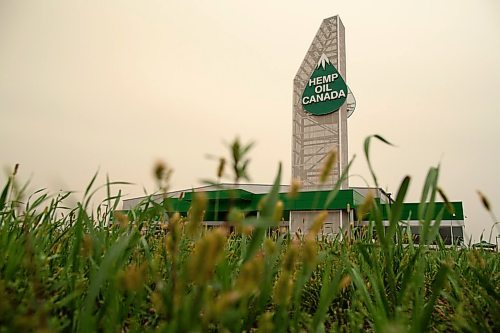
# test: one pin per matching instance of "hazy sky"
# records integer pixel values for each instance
(117, 85)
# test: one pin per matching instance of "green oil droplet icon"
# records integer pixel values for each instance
(326, 90)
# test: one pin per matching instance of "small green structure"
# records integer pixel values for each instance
(484, 245)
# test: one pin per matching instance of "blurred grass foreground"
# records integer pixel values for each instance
(70, 268)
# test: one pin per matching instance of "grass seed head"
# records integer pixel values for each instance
(225, 301)
(245, 229)
(294, 188)
(170, 245)
(283, 288)
(220, 168)
(291, 257)
(262, 202)
(122, 219)
(269, 247)
(87, 245)
(309, 251)
(476, 260)
(173, 234)
(345, 282)
(207, 253)
(367, 205)
(484, 201)
(157, 302)
(197, 212)
(327, 168)
(449, 206)
(174, 220)
(236, 216)
(133, 277)
(278, 211)
(317, 225)
(250, 276)
(266, 323)
(162, 174)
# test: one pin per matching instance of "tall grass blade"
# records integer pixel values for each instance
(333, 193)
(423, 321)
(267, 213)
(367, 154)
(3, 196)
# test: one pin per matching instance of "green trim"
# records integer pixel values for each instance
(410, 211)
(231, 194)
(315, 200)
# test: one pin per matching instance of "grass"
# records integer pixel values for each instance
(67, 268)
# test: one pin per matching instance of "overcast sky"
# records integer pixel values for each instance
(118, 85)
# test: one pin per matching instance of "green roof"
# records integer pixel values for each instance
(222, 200)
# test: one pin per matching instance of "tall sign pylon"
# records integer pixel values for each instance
(316, 133)
(321, 105)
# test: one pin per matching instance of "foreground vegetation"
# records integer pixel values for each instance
(73, 269)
